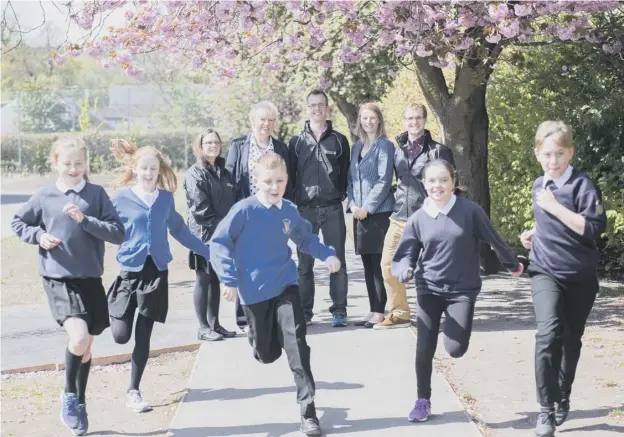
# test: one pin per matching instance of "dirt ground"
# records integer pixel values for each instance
(495, 379)
(30, 402)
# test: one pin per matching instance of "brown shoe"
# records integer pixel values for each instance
(392, 322)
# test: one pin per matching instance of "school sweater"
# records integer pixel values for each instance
(556, 249)
(81, 251)
(249, 248)
(146, 230)
(443, 251)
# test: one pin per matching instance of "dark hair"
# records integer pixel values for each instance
(197, 144)
(318, 92)
(459, 190)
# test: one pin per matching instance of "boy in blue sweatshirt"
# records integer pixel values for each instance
(569, 218)
(250, 254)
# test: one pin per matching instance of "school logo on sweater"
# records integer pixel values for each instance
(286, 226)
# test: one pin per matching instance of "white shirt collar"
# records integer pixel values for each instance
(265, 203)
(432, 209)
(561, 180)
(148, 198)
(64, 188)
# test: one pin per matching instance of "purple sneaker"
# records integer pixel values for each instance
(421, 411)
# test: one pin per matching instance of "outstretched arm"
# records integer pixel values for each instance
(222, 245)
(407, 253)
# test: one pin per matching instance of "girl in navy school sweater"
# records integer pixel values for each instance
(569, 218)
(440, 248)
(148, 212)
(70, 221)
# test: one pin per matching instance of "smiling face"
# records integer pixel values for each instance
(146, 171)
(370, 122)
(414, 122)
(317, 108)
(271, 184)
(211, 147)
(553, 157)
(439, 183)
(263, 125)
(71, 166)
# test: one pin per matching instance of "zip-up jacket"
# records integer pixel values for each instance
(210, 193)
(410, 191)
(318, 168)
(237, 163)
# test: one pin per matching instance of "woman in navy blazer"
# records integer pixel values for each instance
(371, 201)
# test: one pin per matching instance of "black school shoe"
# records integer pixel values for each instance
(224, 332)
(545, 426)
(310, 426)
(561, 412)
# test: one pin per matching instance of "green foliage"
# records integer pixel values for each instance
(581, 86)
(36, 148)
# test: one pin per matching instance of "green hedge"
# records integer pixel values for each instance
(36, 149)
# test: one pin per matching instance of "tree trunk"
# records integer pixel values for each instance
(349, 110)
(464, 127)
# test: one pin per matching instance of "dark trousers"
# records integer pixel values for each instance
(330, 221)
(374, 283)
(561, 311)
(207, 298)
(278, 324)
(458, 315)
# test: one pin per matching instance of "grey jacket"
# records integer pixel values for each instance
(370, 179)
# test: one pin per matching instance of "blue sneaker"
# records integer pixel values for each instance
(339, 321)
(69, 410)
(421, 411)
(83, 420)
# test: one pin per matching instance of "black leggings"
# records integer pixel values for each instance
(458, 316)
(207, 297)
(122, 331)
(374, 283)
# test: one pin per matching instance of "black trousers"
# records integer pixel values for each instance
(458, 315)
(375, 287)
(207, 298)
(561, 311)
(278, 324)
(330, 221)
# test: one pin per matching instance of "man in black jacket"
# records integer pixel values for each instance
(319, 161)
(415, 149)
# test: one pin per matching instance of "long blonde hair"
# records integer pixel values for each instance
(359, 129)
(127, 154)
(65, 143)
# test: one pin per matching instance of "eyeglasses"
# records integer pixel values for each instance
(418, 118)
(211, 143)
(317, 105)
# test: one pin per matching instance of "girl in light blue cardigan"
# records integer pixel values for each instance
(148, 213)
(371, 201)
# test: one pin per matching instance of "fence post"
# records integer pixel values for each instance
(19, 132)
(185, 128)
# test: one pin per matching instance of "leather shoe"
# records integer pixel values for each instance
(224, 332)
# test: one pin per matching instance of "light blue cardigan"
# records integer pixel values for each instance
(370, 180)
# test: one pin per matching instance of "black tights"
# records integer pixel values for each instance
(207, 297)
(122, 331)
(374, 283)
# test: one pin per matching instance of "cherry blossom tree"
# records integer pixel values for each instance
(465, 36)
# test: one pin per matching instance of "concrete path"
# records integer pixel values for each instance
(365, 387)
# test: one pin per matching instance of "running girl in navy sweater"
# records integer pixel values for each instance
(70, 221)
(440, 248)
(148, 213)
(569, 218)
(250, 253)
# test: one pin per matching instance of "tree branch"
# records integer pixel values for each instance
(433, 84)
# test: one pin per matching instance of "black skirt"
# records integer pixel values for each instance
(147, 290)
(198, 263)
(369, 234)
(84, 298)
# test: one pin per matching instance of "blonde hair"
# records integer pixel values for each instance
(270, 161)
(381, 129)
(560, 132)
(65, 143)
(415, 106)
(127, 154)
(264, 105)
(197, 144)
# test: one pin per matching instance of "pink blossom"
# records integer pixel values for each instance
(326, 63)
(134, 71)
(58, 59)
(297, 56)
(499, 11)
(522, 10)
(422, 52)
(493, 39)
(510, 28)
(129, 15)
(197, 62)
(272, 66)
(324, 83)
(467, 20)
(465, 44)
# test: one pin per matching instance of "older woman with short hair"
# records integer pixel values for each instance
(246, 151)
